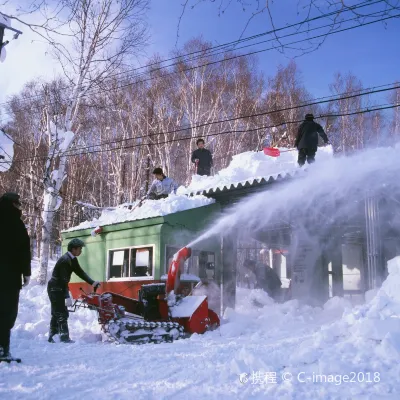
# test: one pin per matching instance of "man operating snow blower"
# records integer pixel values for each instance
(307, 140)
(58, 292)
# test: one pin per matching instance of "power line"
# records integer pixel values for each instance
(361, 111)
(232, 58)
(339, 97)
(367, 3)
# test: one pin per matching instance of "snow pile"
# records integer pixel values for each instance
(35, 313)
(149, 209)
(263, 350)
(6, 151)
(252, 165)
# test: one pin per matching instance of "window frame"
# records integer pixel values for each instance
(133, 278)
(166, 265)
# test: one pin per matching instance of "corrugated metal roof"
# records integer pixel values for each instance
(250, 183)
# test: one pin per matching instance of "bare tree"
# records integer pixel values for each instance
(103, 35)
(311, 15)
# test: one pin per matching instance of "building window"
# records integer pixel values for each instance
(197, 264)
(130, 263)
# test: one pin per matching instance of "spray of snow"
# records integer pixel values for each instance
(149, 209)
(331, 190)
(252, 166)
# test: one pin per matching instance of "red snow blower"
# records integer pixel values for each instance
(161, 314)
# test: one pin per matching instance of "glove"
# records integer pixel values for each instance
(68, 302)
(27, 279)
(96, 284)
(196, 160)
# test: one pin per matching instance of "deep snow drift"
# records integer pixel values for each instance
(262, 351)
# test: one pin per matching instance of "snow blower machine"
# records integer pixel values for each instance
(160, 314)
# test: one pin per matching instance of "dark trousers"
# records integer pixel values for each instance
(306, 155)
(205, 171)
(59, 313)
(9, 299)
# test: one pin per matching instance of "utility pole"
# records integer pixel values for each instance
(5, 23)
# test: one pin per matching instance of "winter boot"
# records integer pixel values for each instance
(5, 355)
(52, 333)
(64, 332)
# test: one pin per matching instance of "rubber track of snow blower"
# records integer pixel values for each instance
(129, 331)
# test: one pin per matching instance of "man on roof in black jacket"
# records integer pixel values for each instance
(307, 140)
(202, 158)
(15, 266)
(58, 292)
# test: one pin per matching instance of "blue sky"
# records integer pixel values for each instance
(371, 52)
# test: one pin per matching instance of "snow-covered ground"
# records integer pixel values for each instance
(149, 209)
(262, 351)
(252, 165)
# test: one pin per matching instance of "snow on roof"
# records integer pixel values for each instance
(149, 209)
(249, 167)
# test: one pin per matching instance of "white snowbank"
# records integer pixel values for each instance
(289, 342)
(251, 165)
(149, 209)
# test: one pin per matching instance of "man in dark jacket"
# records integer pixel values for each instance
(202, 158)
(307, 140)
(15, 266)
(58, 292)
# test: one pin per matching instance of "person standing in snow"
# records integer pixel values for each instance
(202, 158)
(307, 139)
(15, 266)
(162, 186)
(58, 292)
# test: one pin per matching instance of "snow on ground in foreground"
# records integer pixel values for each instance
(149, 209)
(259, 337)
(252, 165)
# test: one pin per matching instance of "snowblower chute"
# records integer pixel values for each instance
(161, 314)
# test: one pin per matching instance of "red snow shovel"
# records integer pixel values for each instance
(274, 152)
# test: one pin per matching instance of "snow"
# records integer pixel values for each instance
(292, 345)
(65, 140)
(250, 166)
(6, 150)
(149, 209)
(186, 306)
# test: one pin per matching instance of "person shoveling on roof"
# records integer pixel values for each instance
(307, 139)
(202, 158)
(162, 186)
